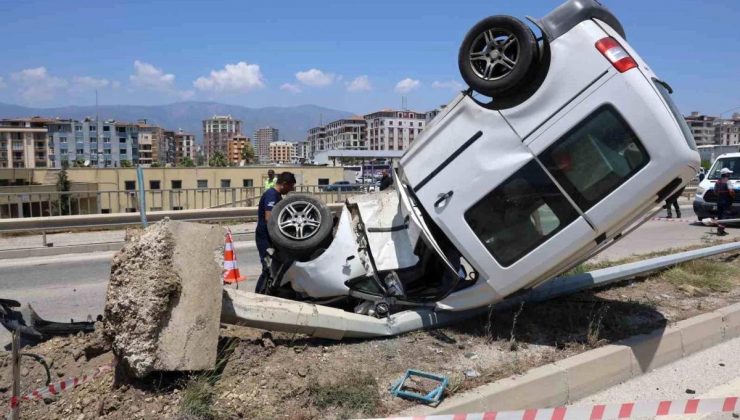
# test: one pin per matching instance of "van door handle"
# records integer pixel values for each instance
(443, 197)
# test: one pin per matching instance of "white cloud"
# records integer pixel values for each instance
(149, 77)
(37, 85)
(290, 87)
(452, 85)
(315, 77)
(407, 85)
(240, 77)
(360, 84)
(87, 82)
(2, 82)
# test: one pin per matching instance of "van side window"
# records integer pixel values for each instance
(595, 157)
(520, 214)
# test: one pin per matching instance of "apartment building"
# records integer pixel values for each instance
(729, 130)
(703, 127)
(347, 134)
(92, 143)
(393, 130)
(23, 144)
(282, 152)
(235, 147)
(302, 149)
(217, 131)
(184, 146)
(263, 137)
(316, 141)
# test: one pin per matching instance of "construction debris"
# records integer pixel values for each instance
(163, 302)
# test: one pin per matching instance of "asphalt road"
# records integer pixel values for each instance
(73, 286)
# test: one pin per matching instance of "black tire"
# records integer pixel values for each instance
(497, 55)
(306, 226)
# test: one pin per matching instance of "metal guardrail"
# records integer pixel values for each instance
(69, 203)
(92, 221)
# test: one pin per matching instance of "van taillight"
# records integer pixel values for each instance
(616, 55)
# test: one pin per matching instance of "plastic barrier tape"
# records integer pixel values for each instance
(59, 387)
(628, 410)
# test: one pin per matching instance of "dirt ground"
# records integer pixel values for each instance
(274, 375)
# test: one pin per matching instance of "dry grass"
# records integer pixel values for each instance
(351, 394)
(703, 274)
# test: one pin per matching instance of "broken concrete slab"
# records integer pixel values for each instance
(163, 302)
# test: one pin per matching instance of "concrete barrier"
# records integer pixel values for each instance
(570, 379)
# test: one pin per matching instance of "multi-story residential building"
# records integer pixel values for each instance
(316, 141)
(166, 150)
(393, 130)
(23, 144)
(704, 128)
(184, 146)
(302, 149)
(347, 134)
(433, 113)
(92, 143)
(282, 152)
(263, 137)
(217, 131)
(235, 147)
(729, 130)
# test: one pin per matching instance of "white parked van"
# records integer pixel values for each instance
(562, 142)
(705, 201)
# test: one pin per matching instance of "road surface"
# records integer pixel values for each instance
(73, 286)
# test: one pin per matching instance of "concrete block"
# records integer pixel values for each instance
(163, 303)
(730, 321)
(655, 349)
(597, 369)
(541, 387)
(700, 332)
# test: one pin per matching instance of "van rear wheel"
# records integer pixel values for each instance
(496, 55)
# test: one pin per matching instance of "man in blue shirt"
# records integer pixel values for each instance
(284, 184)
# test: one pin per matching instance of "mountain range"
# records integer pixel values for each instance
(293, 122)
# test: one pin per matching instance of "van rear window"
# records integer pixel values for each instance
(595, 157)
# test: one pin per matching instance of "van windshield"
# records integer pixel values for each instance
(732, 164)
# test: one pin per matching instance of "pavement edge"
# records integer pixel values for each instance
(570, 379)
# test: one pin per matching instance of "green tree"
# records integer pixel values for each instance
(187, 162)
(248, 154)
(218, 160)
(62, 204)
(126, 164)
(200, 159)
(156, 165)
(78, 163)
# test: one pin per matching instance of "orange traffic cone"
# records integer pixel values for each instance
(231, 270)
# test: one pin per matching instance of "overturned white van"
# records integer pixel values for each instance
(563, 141)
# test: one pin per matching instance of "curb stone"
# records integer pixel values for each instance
(566, 380)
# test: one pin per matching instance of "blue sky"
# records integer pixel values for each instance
(343, 54)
